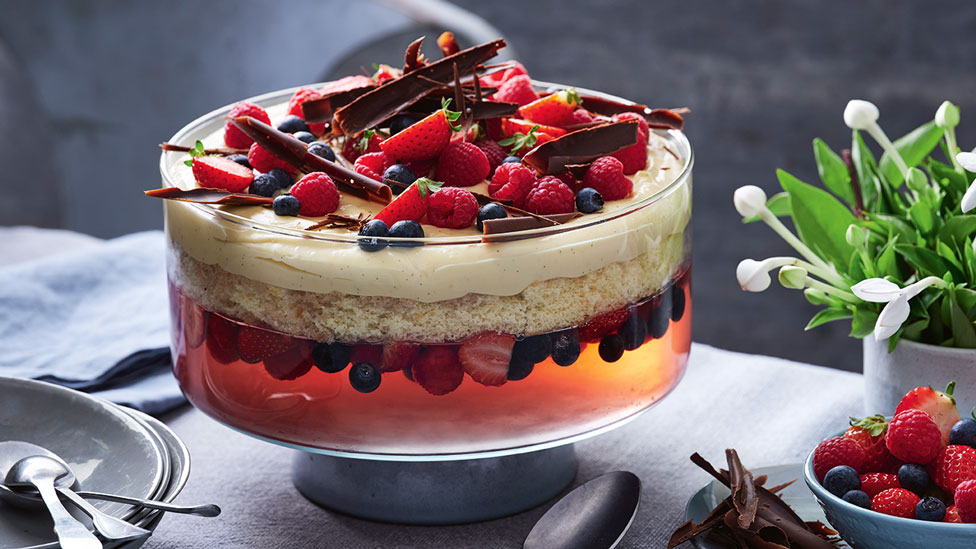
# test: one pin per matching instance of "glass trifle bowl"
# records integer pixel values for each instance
(372, 359)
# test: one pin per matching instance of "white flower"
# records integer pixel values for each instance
(753, 275)
(793, 277)
(877, 290)
(895, 313)
(947, 116)
(749, 200)
(860, 115)
(968, 160)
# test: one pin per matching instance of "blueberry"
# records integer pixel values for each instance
(914, 477)
(292, 124)
(519, 369)
(286, 204)
(841, 479)
(858, 498)
(322, 151)
(240, 159)
(611, 348)
(930, 508)
(373, 228)
(588, 200)
(565, 348)
(281, 176)
(406, 228)
(657, 324)
(532, 349)
(401, 173)
(364, 377)
(511, 159)
(304, 137)
(677, 303)
(491, 210)
(963, 433)
(264, 185)
(331, 358)
(634, 331)
(401, 122)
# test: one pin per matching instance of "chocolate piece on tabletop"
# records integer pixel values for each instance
(208, 196)
(582, 146)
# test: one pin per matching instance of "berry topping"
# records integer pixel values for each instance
(512, 160)
(282, 177)
(519, 369)
(240, 159)
(256, 344)
(517, 89)
(374, 229)
(317, 194)
(364, 377)
(634, 331)
(485, 358)
(913, 437)
(953, 466)
(549, 196)
(286, 205)
(859, 498)
(836, 451)
(401, 122)
(293, 124)
(217, 172)
(399, 172)
(495, 79)
(491, 210)
(912, 476)
(606, 176)
(424, 139)
(291, 364)
(406, 228)
(386, 72)
(373, 165)
(438, 369)
(931, 509)
(533, 349)
(634, 157)
(588, 200)
(940, 406)
(966, 501)
(565, 348)
(493, 152)
(555, 109)
(523, 135)
(235, 138)
(641, 122)
(611, 348)
(597, 327)
(511, 182)
(397, 356)
(322, 150)
(897, 502)
(367, 142)
(462, 164)
(222, 339)
(411, 204)
(875, 483)
(331, 358)
(868, 432)
(300, 96)
(841, 479)
(264, 185)
(304, 137)
(452, 208)
(952, 515)
(263, 161)
(963, 433)
(581, 116)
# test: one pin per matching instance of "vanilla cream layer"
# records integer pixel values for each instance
(329, 260)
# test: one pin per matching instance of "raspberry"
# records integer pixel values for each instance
(350, 148)
(641, 122)
(837, 451)
(373, 165)
(954, 465)
(234, 137)
(634, 157)
(897, 502)
(606, 176)
(300, 96)
(493, 152)
(913, 437)
(550, 196)
(873, 484)
(581, 116)
(462, 164)
(452, 208)
(317, 194)
(511, 181)
(495, 79)
(569, 179)
(263, 161)
(517, 89)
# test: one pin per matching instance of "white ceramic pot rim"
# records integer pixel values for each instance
(938, 349)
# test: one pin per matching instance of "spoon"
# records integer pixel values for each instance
(109, 527)
(42, 472)
(208, 510)
(595, 515)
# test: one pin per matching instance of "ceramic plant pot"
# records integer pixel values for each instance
(888, 376)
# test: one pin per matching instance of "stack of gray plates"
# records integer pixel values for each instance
(109, 448)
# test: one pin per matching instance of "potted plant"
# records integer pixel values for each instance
(887, 244)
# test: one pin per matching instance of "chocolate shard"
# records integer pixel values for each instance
(665, 119)
(412, 58)
(743, 490)
(378, 104)
(447, 43)
(322, 109)
(483, 110)
(578, 170)
(525, 223)
(294, 152)
(208, 196)
(582, 146)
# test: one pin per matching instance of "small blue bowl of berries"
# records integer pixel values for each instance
(908, 481)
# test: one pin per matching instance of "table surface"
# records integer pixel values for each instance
(771, 410)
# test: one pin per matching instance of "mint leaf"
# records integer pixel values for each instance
(521, 140)
(820, 219)
(913, 147)
(188, 162)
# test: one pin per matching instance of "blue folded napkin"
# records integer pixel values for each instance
(94, 319)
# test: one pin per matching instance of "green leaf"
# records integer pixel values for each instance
(833, 172)
(828, 315)
(926, 262)
(820, 219)
(913, 147)
(521, 140)
(946, 253)
(778, 204)
(923, 217)
(819, 297)
(188, 162)
(958, 229)
(863, 322)
(963, 333)
(947, 176)
(966, 299)
(888, 261)
(428, 186)
(363, 144)
(894, 226)
(875, 424)
(865, 168)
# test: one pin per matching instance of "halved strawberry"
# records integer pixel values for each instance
(256, 344)
(511, 126)
(386, 72)
(218, 172)
(424, 139)
(365, 143)
(222, 339)
(523, 135)
(485, 358)
(292, 364)
(553, 110)
(397, 356)
(194, 322)
(438, 369)
(411, 204)
(939, 405)
(599, 326)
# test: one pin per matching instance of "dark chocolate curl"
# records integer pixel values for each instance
(663, 119)
(582, 146)
(483, 110)
(322, 109)
(412, 58)
(208, 196)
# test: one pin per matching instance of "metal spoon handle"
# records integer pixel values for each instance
(208, 510)
(71, 533)
(108, 526)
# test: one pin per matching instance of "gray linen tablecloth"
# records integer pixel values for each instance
(772, 410)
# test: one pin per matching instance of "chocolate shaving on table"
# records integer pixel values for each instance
(209, 196)
(170, 147)
(665, 119)
(447, 43)
(322, 109)
(743, 490)
(295, 152)
(582, 146)
(371, 108)
(412, 58)
(526, 222)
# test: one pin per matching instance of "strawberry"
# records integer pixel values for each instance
(264, 161)
(581, 116)
(194, 322)
(940, 406)
(462, 164)
(966, 501)
(599, 326)
(438, 369)
(555, 109)
(869, 433)
(235, 138)
(398, 356)
(218, 172)
(424, 139)
(897, 502)
(292, 364)
(517, 89)
(367, 142)
(523, 135)
(836, 451)
(345, 83)
(222, 339)
(386, 72)
(952, 515)
(954, 464)
(410, 204)
(496, 79)
(256, 344)
(485, 358)
(873, 484)
(913, 437)
(300, 96)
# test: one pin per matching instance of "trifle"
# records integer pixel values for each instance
(447, 259)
